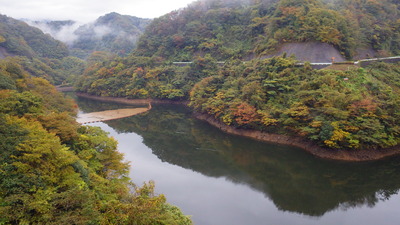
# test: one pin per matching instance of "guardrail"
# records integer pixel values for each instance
(362, 62)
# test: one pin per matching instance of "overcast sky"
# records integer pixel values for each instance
(87, 10)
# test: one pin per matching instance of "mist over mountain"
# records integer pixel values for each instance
(60, 30)
(112, 33)
(30, 49)
(18, 38)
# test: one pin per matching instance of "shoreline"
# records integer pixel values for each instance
(110, 115)
(129, 101)
(312, 148)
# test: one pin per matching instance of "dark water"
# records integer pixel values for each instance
(223, 179)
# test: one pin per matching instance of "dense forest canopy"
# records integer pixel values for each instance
(38, 53)
(112, 33)
(239, 29)
(350, 109)
(54, 171)
(21, 39)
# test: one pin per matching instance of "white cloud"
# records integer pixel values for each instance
(100, 31)
(87, 10)
(65, 34)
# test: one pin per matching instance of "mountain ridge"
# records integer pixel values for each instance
(111, 32)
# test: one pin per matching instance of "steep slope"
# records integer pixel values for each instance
(315, 52)
(238, 29)
(38, 53)
(18, 38)
(351, 109)
(219, 30)
(54, 171)
(112, 32)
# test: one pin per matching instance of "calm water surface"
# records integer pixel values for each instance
(222, 179)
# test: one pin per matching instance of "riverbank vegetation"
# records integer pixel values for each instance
(53, 171)
(353, 108)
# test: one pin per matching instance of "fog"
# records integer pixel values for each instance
(65, 33)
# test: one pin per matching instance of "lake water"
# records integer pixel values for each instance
(221, 179)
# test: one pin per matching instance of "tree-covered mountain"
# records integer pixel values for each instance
(54, 171)
(243, 29)
(38, 53)
(112, 32)
(351, 107)
(18, 38)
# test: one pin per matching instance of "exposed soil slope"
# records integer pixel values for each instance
(314, 52)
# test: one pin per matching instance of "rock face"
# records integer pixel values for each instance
(314, 52)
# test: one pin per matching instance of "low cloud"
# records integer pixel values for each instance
(65, 33)
(101, 30)
(71, 32)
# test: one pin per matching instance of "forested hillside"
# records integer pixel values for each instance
(54, 171)
(212, 30)
(350, 109)
(18, 38)
(38, 53)
(242, 29)
(112, 32)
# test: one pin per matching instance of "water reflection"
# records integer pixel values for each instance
(291, 178)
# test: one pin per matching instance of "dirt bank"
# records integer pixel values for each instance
(314, 52)
(129, 101)
(65, 89)
(343, 155)
(109, 115)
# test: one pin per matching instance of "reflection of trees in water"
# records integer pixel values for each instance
(292, 179)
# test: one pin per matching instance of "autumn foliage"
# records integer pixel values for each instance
(320, 105)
